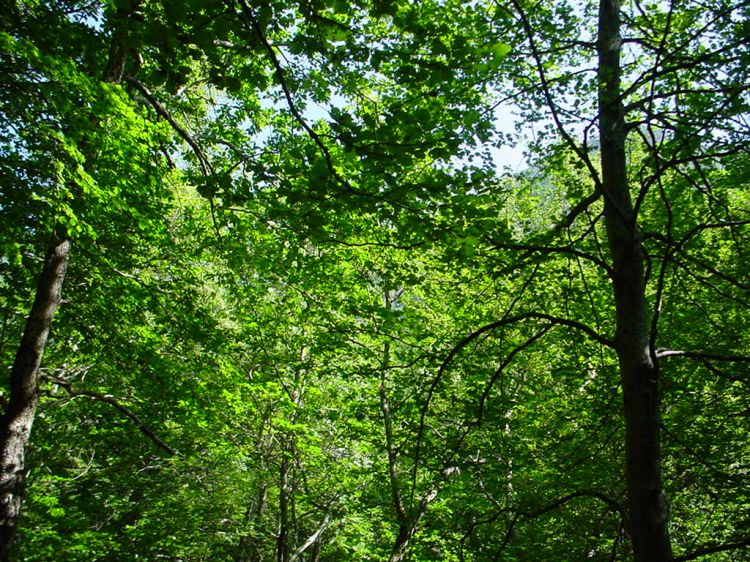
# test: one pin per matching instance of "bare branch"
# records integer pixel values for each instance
(546, 91)
(143, 428)
(494, 326)
(553, 321)
(612, 504)
(554, 250)
(371, 244)
(204, 162)
(662, 353)
(711, 549)
(582, 206)
(311, 539)
(706, 226)
(254, 26)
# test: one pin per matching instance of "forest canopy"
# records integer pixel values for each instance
(271, 288)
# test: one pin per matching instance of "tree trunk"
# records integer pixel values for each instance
(247, 549)
(15, 424)
(282, 540)
(401, 545)
(647, 507)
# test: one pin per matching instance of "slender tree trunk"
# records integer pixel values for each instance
(16, 422)
(647, 506)
(282, 540)
(247, 549)
(405, 529)
(408, 528)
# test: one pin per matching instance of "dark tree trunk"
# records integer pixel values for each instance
(15, 424)
(401, 545)
(647, 507)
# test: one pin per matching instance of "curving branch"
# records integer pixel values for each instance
(581, 207)
(501, 369)
(142, 427)
(550, 102)
(708, 284)
(205, 164)
(254, 27)
(552, 320)
(707, 359)
(612, 504)
(371, 244)
(663, 353)
(711, 549)
(717, 273)
(708, 226)
(554, 250)
(682, 63)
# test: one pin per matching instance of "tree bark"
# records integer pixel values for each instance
(16, 422)
(647, 506)
(400, 546)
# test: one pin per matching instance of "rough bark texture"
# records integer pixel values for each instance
(647, 506)
(15, 424)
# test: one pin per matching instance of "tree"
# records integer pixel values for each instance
(52, 84)
(369, 343)
(682, 104)
(672, 116)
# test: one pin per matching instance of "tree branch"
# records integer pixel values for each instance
(711, 549)
(385, 409)
(553, 320)
(311, 539)
(203, 161)
(536, 55)
(663, 353)
(553, 250)
(254, 27)
(142, 427)
(205, 164)
(494, 326)
(612, 504)
(582, 206)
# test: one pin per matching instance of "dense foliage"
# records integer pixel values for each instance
(310, 314)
